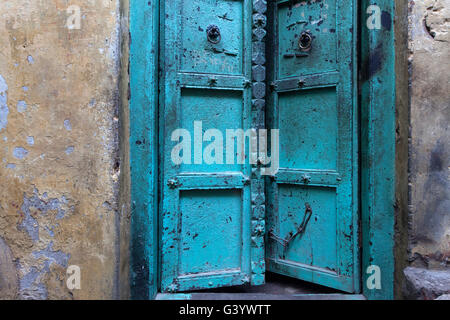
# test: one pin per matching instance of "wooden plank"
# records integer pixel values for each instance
(378, 148)
(144, 26)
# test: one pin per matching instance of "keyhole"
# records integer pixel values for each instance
(305, 41)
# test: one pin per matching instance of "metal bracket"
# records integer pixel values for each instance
(212, 82)
(306, 178)
(173, 183)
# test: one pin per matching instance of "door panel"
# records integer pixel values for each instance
(318, 133)
(199, 56)
(219, 109)
(319, 17)
(218, 254)
(312, 103)
(206, 209)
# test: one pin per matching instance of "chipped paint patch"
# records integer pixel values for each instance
(41, 213)
(32, 283)
(21, 106)
(4, 111)
(70, 150)
(20, 152)
(30, 140)
(52, 256)
(35, 206)
(67, 125)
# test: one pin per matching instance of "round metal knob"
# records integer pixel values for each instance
(213, 34)
(305, 41)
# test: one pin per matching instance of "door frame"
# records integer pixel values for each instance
(378, 187)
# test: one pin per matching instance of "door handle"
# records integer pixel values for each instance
(305, 41)
(213, 34)
(300, 230)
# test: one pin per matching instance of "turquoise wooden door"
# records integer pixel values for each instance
(312, 200)
(206, 218)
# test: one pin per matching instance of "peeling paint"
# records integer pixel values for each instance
(67, 125)
(31, 284)
(4, 111)
(41, 207)
(20, 152)
(30, 140)
(30, 288)
(70, 150)
(21, 106)
(52, 256)
(35, 208)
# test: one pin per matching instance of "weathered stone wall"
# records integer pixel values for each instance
(124, 147)
(430, 135)
(402, 145)
(429, 187)
(59, 159)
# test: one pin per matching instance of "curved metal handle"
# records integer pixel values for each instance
(213, 34)
(301, 229)
(305, 41)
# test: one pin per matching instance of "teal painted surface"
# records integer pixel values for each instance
(143, 148)
(226, 57)
(320, 18)
(318, 129)
(312, 102)
(173, 296)
(378, 151)
(208, 236)
(378, 148)
(208, 217)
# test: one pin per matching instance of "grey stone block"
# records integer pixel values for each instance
(424, 284)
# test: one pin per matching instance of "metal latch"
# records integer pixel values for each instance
(291, 236)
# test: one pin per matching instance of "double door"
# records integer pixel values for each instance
(222, 221)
